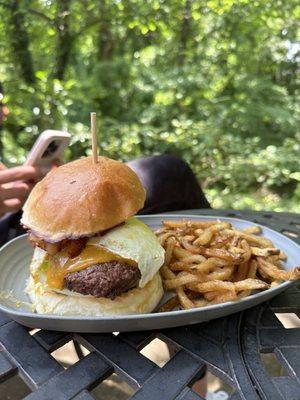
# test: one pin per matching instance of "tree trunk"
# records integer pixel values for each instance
(64, 40)
(105, 38)
(20, 42)
(184, 32)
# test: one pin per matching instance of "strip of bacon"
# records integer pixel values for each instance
(73, 247)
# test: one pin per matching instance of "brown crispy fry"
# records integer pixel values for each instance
(195, 258)
(282, 255)
(264, 242)
(250, 284)
(190, 247)
(180, 281)
(209, 296)
(220, 241)
(167, 273)
(252, 269)
(224, 297)
(189, 238)
(221, 274)
(162, 238)
(266, 252)
(201, 268)
(181, 253)
(221, 253)
(191, 224)
(235, 240)
(210, 262)
(169, 305)
(241, 272)
(170, 244)
(212, 286)
(247, 250)
(274, 272)
(184, 300)
(181, 266)
(200, 303)
(204, 238)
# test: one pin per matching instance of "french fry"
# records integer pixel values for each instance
(206, 235)
(170, 244)
(200, 303)
(167, 273)
(282, 255)
(184, 300)
(219, 241)
(189, 238)
(183, 254)
(221, 274)
(220, 253)
(247, 250)
(250, 284)
(180, 281)
(266, 252)
(252, 269)
(181, 266)
(210, 262)
(169, 305)
(204, 238)
(190, 247)
(212, 286)
(275, 273)
(223, 297)
(194, 259)
(165, 236)
(241, 272)
(191, 224)
(209, 296)
(235, 240)
(254, 230)
(264, 242)
(274, 284)
(180, 253)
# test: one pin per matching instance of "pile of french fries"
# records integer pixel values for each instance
(211, 262)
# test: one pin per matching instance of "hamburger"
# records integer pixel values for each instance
(91, 256)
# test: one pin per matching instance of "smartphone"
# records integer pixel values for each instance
(48, 147)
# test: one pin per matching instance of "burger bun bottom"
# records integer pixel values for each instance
(136, 301)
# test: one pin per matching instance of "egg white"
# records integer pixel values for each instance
(133, 240)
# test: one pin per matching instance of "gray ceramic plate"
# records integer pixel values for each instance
(15, 257)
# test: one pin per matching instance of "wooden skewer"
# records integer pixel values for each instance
(94, 137)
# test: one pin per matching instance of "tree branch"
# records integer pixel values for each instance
(20, 42)
(5, 5)
(42, 15)
(64, 39)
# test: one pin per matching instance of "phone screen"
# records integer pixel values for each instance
(51, 149)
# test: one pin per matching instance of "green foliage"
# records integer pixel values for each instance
(213, 82)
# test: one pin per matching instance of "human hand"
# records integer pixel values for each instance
(15, 187)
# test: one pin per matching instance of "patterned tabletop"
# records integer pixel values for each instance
(231, 348)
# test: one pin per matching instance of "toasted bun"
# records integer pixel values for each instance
(82, 198)
(136, 301)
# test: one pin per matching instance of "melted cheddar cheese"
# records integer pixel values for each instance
(60, 265)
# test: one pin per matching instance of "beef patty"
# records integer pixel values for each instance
(109, 279)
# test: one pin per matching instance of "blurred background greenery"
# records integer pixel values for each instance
(212, 81)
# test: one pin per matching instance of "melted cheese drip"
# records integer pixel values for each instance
(60, 265)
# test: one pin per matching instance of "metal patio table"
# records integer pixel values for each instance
(229, 347)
